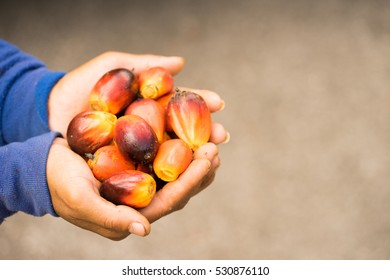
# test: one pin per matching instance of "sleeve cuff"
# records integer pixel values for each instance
(42, 92)
(25, 111)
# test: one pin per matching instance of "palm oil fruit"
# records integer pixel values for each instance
(107, 161)
(136, 139)
(90, 130)
(190, 118)
(130, 187)
(139, 133)
(172, 159)
(155, 82)
(152, 112)
(114, 91)
(164, 100)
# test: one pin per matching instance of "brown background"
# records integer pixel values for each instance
(306, 174)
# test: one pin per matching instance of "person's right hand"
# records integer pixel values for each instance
(75, 193)
(75, 196)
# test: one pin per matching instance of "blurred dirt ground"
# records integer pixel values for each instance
(306, 174)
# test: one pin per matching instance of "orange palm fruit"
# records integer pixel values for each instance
(155, 82)
(130, 187)
(107, 161)
(163, 101)
(90, 130)
(190, 118)
(136, 139)
(114, 91)
(152, 112)
(172, 159)
(148, 168)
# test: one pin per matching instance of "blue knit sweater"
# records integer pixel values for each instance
(25, 138)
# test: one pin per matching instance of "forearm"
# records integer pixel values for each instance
(25, 84)
(23, 183)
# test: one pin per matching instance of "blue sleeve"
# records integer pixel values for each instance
(25, 84)
(25, 138)
(23, 183)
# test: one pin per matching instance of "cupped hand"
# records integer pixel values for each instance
(71, 93)
(75, 193)
(75, 196)
(73, 188)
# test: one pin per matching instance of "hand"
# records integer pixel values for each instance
(75, 196)
(74, 190)
(75, 193)
(70, 95)
(175, 195)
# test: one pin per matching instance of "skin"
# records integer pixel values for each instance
(74, 190)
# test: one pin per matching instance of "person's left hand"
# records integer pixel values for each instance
(71, 93)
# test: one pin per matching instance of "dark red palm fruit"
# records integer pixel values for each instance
(90, 130)
(114, 91)
(136, 139)
(130, 187)
(152, 112)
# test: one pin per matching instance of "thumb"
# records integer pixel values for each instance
(117, 221)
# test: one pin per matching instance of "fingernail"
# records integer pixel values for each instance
(179, 58)
(222, 105)
(227, 139)
(137, 229)
(176, 57)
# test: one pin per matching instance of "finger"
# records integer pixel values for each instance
(140, 62)
(209, 178)
(218, 134)
(175, 195)
(213, 100)
(207, 151)
(173, 63)
(111, 60)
